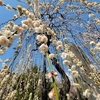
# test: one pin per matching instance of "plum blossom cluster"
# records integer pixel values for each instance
(12, 31)
(71, 59)
(50, 75)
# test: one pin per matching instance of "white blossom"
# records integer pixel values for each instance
(8, 7)
(51, 94)
(59, 47)
(44, 39)
(51, 56)
(91, 15)
(75, 74)
(4, 41)
(43, 48)
(1, 3)
(92, 43)
(87, 93)
(66, 62)
(38, 30)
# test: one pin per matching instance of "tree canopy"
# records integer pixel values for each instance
(57, 52)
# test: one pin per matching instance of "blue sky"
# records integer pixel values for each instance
(5, 15)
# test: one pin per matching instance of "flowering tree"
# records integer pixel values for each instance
(61, 37)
